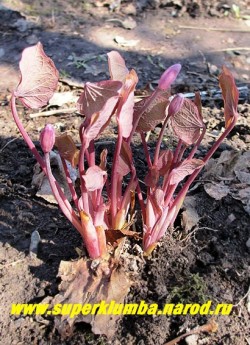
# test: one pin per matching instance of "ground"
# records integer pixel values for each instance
(205, 260)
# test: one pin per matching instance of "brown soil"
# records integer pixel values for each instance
(207, 262)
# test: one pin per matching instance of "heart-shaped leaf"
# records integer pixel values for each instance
(100, 119)
(230, 95)
(154, 113)
(95, 96)
(39, 78)
(187, 167)
(117, 66)
(187, 122)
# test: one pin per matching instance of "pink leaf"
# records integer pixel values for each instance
(159, 197)
(39, 78)
(126, 104)
(187, 167)
(230, 95)
(94, 178)
(164, 162)
(95, 96)
(125, 159)
(151, 214)
(117, 66)
(100, 119)
(187, 122)
(153, 114)
(152, 177)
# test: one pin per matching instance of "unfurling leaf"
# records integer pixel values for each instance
(95, 96)
(47, 138)
(125, 159)
(230, 95)
(169, 76)
(117, 66)
(187, 122)
(187, 167)
(39, 78)
(126, 104)
(83, 283)
(94, 178)
(152, 115)
(175, 104)
(67, 149)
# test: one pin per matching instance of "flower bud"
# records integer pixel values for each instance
(176, 104)
(47, 138)
(169, 76)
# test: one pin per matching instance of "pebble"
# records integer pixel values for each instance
(130, 9)
(34, 242)
(248, 243)
(192, 339)
(2, 52)
(32, 39)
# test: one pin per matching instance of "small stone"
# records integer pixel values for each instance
(247, 138)
(2, 52)
(192, 339)
(248, 243)
(245, 76)
(34, 242)
(230, 218)
(32, 39)
(129, 9)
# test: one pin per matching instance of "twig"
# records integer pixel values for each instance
(244, 297)
(10, 141)
(206, 228)
(11, 264)
(211, 326)
(230, 49)
(211, 29)
(53, 112)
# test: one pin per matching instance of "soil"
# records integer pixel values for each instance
(207, 261)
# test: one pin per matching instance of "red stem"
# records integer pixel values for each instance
(147, 103)
(114, 180)
(192, 177)
(70, 183)
(145, 147)
(85, 199)
(33, 149)
(159, 141)
(25, 135)
(68, 214)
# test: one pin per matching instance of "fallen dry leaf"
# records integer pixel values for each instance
(190, 217)
(86, 281)
(217, 191)
(122, 42)
(225, 173)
